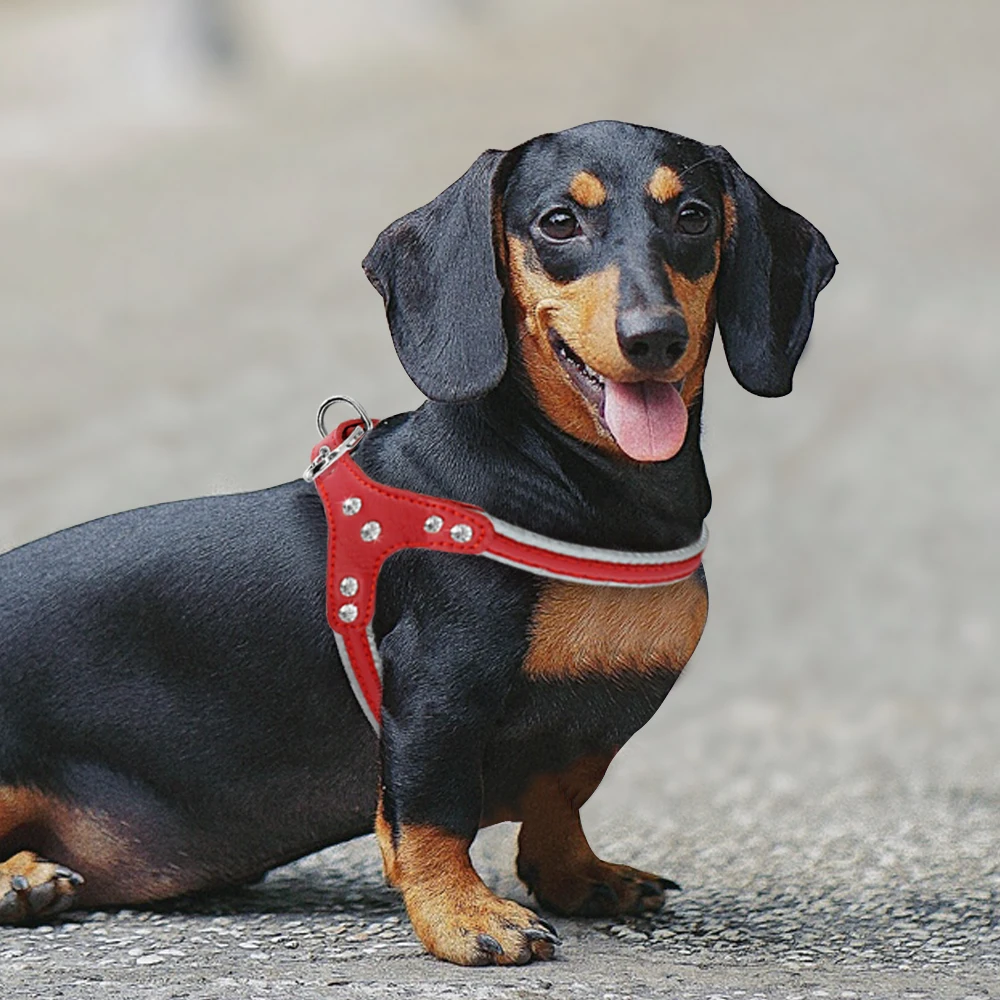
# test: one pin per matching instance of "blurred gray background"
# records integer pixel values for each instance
(187, 188)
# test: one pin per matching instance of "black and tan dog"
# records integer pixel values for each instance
(173, 713)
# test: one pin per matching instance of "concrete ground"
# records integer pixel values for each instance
(825, 779)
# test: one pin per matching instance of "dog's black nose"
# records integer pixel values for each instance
(652, 340)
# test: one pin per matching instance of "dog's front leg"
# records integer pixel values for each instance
(435, 724)
(558, 865)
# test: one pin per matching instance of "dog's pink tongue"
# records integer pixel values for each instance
(647, 419)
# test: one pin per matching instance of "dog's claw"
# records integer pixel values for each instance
(490, 944)
(541, 934)
(20, 884)
(548, 926)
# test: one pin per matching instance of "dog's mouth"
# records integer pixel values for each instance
(648, 420)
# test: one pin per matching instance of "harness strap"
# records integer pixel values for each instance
(367, 522)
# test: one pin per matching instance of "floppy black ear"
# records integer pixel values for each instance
(436, 269)
(774, 264)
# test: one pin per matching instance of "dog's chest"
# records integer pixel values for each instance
(600, 661)
(581, 632)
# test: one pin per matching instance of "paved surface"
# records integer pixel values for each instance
(825, 780)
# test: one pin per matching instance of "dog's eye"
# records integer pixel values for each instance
(560, 224)
(693, 219)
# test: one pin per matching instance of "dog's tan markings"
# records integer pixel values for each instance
(556, 862)
(95, 845)
(583, 314)
(696, 297)
(579, 631)
(664, 185)
(728, 218)
(386, 845)
(18, 807)
(559, 398)
(587, 190)
(454, 914)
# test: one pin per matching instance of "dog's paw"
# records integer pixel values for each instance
(599, 889)
(481, 930)
(32, 889)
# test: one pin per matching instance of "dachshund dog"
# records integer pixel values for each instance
(173, 712)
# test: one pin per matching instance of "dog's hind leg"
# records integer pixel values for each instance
(62, 854)
(31, 888)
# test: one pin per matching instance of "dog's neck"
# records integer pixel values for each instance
(502, 454)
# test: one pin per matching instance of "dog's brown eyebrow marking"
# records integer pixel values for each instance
(587, 190)
(664, 185)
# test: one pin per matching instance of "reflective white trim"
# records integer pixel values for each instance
(353, 679)
(591, 552)
(535, 571)
(376, 659)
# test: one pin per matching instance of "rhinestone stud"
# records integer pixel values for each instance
(370, 530)
(461, 533)
(433, 524)
(347, 612)
(349, 586)
(351, 506)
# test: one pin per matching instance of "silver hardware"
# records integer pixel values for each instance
(370, 530)
(349, 586)
(461, 533)
(351, 506)
(327, 403)
(326, 456)
(348, 612)
(433, 524)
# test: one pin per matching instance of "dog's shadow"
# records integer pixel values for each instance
(343, 879)
(767, 921)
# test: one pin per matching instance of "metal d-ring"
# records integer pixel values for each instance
(327, 403)
(326, 455)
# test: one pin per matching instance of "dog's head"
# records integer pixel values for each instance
(610, 250)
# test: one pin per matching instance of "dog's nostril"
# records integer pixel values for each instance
(638, 349)
(673, 354)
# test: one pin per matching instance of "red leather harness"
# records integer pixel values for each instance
(369, 521)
